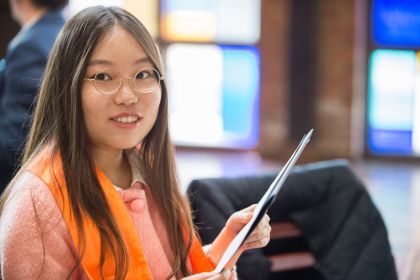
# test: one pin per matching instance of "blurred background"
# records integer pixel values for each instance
(248, 78)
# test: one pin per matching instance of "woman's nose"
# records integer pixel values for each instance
(126, 93)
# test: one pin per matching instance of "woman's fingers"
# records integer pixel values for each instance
(263, 233)
(263, 224)
(239, 219)
(256, 244)
(260, 236)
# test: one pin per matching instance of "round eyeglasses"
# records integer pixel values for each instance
(144, 81)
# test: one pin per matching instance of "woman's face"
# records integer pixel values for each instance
(122, 119)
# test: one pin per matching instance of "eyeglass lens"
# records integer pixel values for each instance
(145, 81)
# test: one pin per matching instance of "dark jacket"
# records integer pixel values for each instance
(340, 224)
(20, 76)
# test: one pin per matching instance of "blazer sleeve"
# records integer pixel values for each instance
(21, 80)
(34, 240)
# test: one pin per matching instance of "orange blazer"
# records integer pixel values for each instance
(53, 177)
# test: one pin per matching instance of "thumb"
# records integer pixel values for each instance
(241, 217)
(247, 213)
(250, 208)
(238, 219)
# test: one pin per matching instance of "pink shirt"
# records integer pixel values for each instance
(31, 226)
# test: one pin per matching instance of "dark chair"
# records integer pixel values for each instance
(324, 224)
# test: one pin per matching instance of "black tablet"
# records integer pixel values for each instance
(265, 202)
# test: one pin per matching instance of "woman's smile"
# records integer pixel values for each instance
(126, 120)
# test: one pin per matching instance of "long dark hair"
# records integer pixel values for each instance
(58, 121)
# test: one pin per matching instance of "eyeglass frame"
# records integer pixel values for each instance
(132, 83)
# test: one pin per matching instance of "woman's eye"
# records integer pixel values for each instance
(102, 77)
(145, 74)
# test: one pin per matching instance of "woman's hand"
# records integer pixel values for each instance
(259, 237)
(224, 275)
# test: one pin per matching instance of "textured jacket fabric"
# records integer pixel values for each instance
(20, 75)
(36, 240)
(339, 221)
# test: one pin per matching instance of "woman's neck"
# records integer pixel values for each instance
(115, 166)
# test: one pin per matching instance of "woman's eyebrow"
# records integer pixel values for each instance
(99, 62)
(93, 62)
(142, 60)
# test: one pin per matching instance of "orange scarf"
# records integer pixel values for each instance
(53, 177)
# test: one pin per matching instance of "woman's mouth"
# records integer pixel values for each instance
(128, 119)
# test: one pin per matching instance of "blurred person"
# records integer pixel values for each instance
(20, 74)
(97, 195)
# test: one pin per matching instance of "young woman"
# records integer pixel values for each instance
(97, 195)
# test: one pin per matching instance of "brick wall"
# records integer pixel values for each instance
(274, 123)
(339, 87)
